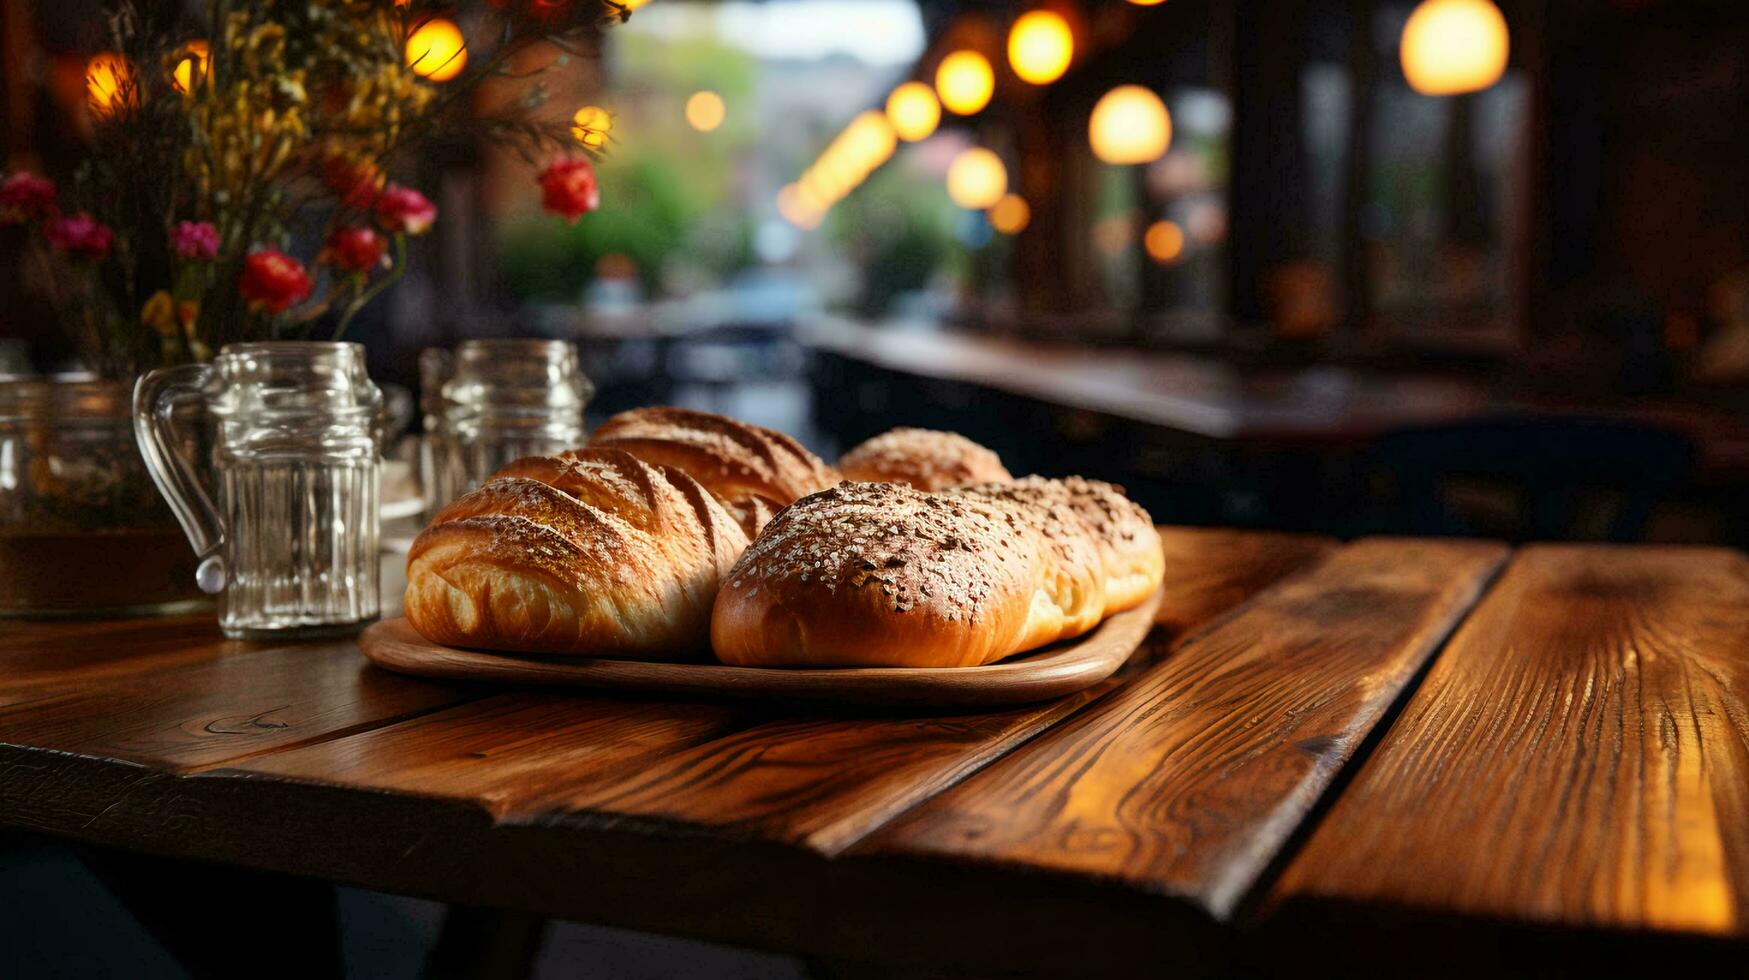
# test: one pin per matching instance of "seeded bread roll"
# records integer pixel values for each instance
(737, 462)
(875, 574)
(923, 459)
(593, 553)
(1130, 557)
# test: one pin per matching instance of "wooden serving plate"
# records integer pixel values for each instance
(1048, 672)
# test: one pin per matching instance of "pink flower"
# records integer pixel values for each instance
(404, 211)
(567, 188)
(194, 241)
(272, 280)
(355, 249)
(26, 197)
(79, 235)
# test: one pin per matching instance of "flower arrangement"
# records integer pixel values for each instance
(223, 143)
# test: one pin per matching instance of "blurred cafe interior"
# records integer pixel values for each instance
(1337, 265)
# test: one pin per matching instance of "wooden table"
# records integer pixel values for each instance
(1377, 757)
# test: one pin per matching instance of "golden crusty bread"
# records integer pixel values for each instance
(923, 459)
(875, 574)
(593, 553)
(1131, 560)
(737, 462)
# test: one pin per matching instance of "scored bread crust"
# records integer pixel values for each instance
(924, 459)
(593, 553)
(875, 574)
(738, 462)
(1131, 559)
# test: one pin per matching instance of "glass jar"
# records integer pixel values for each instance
(83, 531)
(494, 401)
(290, 543)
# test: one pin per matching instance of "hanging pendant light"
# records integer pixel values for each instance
(1451, 47)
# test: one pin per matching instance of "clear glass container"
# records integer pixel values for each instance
(290, 544)
(83, 532)
(493, 401)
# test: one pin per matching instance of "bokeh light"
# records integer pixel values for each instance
(1040, 47)
(199, 59)
(914, 111)
(705, 110)
(965, 82)
(1147, 3)
(1164, 241)
(437, 50)
(1129, 125)
(109, 80)
(1011, 215)
(591, 125)
(1454, 46)
(976, 179)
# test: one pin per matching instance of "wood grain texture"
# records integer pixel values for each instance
(1578, 756)
(243, 702)
(1188, 780)
(1212, 570)
(45, 657)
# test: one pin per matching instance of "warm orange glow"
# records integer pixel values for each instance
(631, 4)
(1164, 241)
(199, 58)
(591, 125)
(1147, 3)
(437, 50)
(965, 82)
(109, 80)
(1010, 215)
(1040, 47)
(976, 179)
(914, 111)
(869, 140)
(1129, 125)
(1454, 46)
(797, 208)
(705, 111)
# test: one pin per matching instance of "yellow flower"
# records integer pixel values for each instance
(159, 313)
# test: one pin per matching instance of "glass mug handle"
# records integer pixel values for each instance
(155, 398)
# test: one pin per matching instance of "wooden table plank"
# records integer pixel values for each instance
(813, 780)
(243, 701)
(45, 657)
(1578, 757)
(1188, 781)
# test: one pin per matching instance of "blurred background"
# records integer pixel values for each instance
(1452, 267)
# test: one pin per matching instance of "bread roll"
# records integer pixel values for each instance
(1130, 557)
(594, 553)
(875, 574)
(737, 462)
(923, 459)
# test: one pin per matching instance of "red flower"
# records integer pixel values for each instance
(355, 249)
(272, 280)
(404, 211)
(26, 197)
(567, 187)
(356, 184)
(79, 235)
(194, 241)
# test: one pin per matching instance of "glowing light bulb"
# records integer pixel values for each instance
(110, 82)
(1040, 47)
(914, 111)
(1147, 3)
(437, 50)
(705, 110)
(1454, 46)
(1011, 215)
(965, 82)
(1164, 241)
(591, 125)
(1129, 125)
(976, 179)
(199, 59)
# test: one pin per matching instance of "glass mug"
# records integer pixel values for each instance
(493, 401)
(290, 545)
